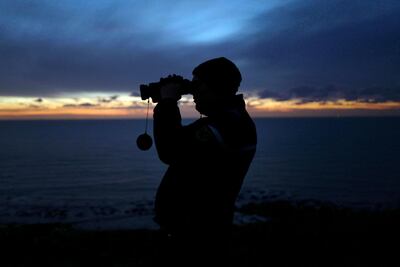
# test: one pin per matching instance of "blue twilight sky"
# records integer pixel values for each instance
(311, 50)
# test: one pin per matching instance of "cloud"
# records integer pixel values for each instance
(108, 100)
(135, 93)
(85, 105)
(50, 48)
(351, 43)
(33, 106)
(306, 94)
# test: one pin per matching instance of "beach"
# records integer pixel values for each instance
(306, 233)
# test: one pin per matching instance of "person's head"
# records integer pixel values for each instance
(215, 80)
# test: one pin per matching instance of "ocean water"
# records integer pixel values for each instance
(90, 172)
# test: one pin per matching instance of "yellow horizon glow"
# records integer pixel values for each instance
(91, 106)
(294, 108)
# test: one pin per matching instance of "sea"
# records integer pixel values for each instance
(90, 173)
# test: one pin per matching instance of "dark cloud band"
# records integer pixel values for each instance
(306, 94)
(49, 49)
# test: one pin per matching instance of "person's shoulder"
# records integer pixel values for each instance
(204, 131)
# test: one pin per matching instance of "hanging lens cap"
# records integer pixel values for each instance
(144, 141)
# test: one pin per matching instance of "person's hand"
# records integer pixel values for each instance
(170, 91)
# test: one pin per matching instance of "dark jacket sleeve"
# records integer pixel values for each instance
(181, 144)
(167, 130)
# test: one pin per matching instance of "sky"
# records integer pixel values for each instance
(87, 59)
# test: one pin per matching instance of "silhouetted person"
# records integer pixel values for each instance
(207, 160)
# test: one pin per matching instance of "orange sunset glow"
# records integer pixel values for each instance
(125, 107)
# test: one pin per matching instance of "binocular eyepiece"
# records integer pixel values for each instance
(153, 90)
